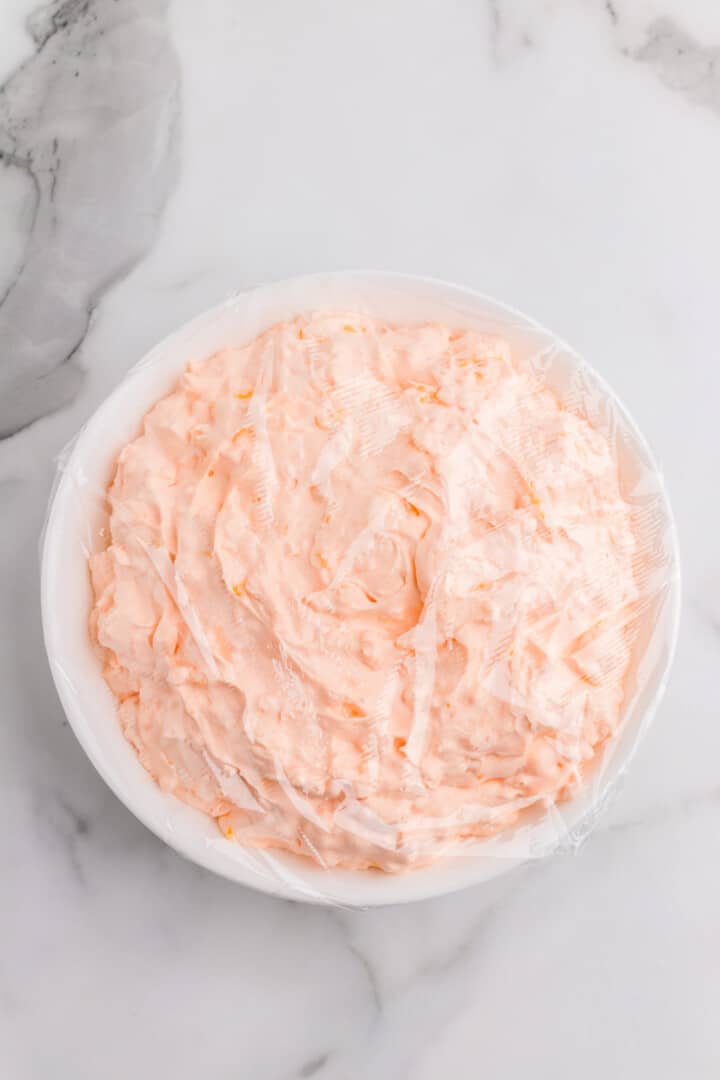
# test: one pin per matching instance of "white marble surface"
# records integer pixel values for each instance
(562, 156)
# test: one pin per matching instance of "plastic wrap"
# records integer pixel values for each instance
(385, 601)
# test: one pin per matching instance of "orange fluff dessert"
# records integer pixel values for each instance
(366, 591)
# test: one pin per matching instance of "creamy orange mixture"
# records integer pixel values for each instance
(366, 590)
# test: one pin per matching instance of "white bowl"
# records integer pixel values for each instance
(72, 531)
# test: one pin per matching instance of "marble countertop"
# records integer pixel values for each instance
(155, 156)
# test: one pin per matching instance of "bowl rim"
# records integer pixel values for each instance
(361, 888)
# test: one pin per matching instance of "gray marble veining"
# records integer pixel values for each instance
(91, 119)
(683, 63)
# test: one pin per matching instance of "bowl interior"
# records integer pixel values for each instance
(76, 519)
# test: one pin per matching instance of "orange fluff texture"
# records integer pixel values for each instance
(365, 591)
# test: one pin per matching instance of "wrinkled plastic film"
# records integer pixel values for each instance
(399, 611)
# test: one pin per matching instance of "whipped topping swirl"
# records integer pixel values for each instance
(367, 591)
